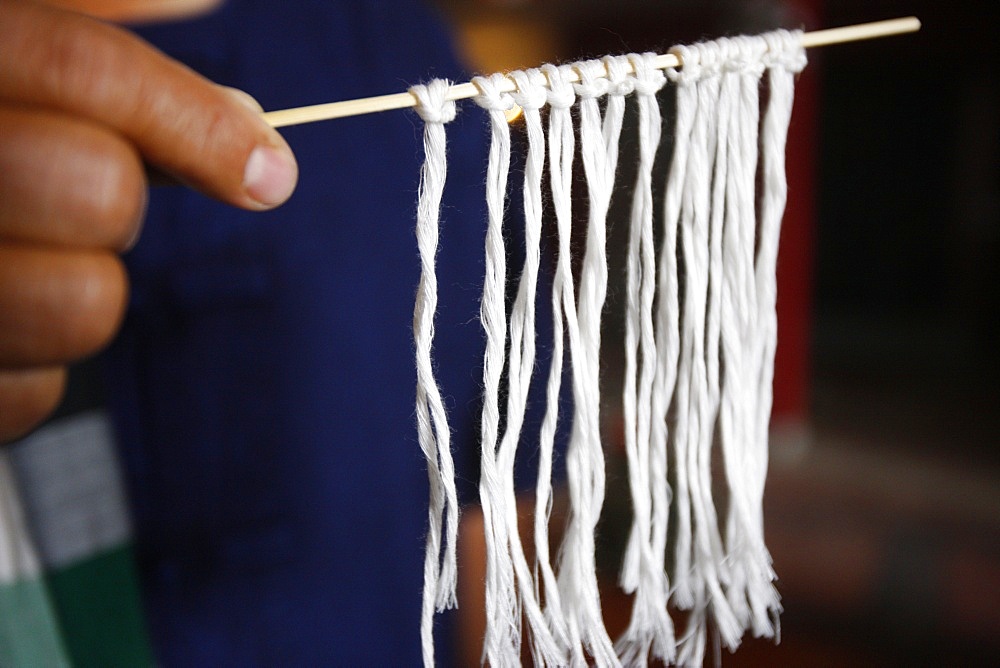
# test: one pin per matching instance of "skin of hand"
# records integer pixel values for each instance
(84, 108)
(138, 11)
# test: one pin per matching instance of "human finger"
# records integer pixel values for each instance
(57, 305)
(197, 131)
(68, 182)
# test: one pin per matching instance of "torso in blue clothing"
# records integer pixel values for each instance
(263, 383)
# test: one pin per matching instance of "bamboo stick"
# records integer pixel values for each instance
(368, 105)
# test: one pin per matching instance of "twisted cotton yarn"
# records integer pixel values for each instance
(643, 569)
(698, 365)
(440, 578)
(561, 145)
(531, 96)
(502, 644)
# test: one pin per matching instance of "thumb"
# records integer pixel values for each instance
(206, 136)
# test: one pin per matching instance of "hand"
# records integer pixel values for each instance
(84, 107)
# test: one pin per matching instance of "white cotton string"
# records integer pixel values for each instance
(689, 154)
(702, 570)
(561, 97)
(530, 96)
(643, 570)
(637, 468)
(432, 422)
(704, 360)
(695, 413)
(501, 646)
(715, 103)
(739, 118)
(585, 457)
(784, 59)
(668, 338)
(728, 325)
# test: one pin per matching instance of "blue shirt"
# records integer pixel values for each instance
(263, 383)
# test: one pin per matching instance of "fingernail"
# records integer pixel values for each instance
(270, 175)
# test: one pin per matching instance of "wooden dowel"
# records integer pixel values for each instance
(368, 105)
(860, 32)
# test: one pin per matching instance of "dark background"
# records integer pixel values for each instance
(883, 505)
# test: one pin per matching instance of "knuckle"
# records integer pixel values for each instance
(79, 62)
(211, 131)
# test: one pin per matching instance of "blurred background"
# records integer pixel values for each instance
(883, 504)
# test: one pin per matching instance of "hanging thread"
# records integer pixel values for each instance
(440, 577)
(530, 96)
(502, 644)
(560, 98)
(585, 457)
(699, 341)
(643, 569)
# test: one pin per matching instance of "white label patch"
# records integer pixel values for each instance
(71, 488)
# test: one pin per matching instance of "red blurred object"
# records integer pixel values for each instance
(796, 254)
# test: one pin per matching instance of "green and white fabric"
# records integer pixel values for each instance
(29, 632)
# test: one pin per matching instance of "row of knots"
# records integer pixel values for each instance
(743, 55)
(559, 86)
